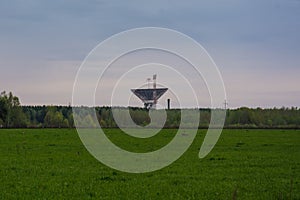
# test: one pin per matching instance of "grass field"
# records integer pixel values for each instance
(245, 164)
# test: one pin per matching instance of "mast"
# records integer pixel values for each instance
(154, 92)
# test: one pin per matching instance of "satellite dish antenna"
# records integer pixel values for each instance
(150, 96)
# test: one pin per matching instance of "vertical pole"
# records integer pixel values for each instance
(154, 81)
(225, 104)
(148, 82)
(168, 104)
(154, 92)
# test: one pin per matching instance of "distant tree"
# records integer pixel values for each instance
(4, 109)
(11, 113)
(55, 118)
(1, 123)
(71, 120)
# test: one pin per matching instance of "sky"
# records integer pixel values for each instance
(254, 43)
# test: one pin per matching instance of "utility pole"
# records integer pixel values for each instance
(225, 104)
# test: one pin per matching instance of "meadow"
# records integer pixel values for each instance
(245, 164)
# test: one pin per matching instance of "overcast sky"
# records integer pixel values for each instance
(255, 43)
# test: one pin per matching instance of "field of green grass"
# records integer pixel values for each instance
(245, 164)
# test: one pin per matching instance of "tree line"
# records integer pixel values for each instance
(13, 115)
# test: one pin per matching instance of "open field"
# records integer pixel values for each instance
(53, 164)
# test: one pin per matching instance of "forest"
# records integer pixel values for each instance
(14, 115)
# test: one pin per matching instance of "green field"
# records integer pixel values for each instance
(245, 164)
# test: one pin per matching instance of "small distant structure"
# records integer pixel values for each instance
(150, 96)
(225, 104)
